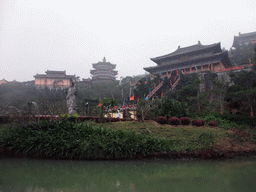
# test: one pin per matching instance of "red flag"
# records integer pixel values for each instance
(190, 69)
(177, 72)
(99, 104)
(154, 85)
(132, 98)
(175, 78)
(213, 68)
(162, 94)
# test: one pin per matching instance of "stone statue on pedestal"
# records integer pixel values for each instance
(71, 97)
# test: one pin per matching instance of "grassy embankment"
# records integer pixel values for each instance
(123, 140)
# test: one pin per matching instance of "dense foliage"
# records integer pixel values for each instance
(67, 139)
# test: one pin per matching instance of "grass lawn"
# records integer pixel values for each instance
(224, 140)
(181, 132)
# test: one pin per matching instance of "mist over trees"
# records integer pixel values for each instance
(54, 101)
(238, 94)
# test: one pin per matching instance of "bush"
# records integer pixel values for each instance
(174, 121)
(185, 120)
(198, 122)
(213, 123)
(162, 120)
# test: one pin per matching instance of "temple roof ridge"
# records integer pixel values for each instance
(187, 49)
(245, 34)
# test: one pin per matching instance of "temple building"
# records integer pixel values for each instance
(103, 71)
(53, 80)
(244, 39)
(5, 82)
(197, 58)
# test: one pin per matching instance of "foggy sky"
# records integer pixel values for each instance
(37, 35)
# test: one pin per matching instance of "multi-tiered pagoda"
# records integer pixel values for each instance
(103, 71)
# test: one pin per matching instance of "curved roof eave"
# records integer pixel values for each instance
(150, 69)
(185, 50)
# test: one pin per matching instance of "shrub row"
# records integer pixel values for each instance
(184, 121)
(7, 119)
(235, 118)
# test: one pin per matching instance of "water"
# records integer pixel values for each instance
(52, 175)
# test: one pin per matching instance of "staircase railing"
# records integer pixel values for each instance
(156, 89)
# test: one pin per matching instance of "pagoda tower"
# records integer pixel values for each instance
(103, 71)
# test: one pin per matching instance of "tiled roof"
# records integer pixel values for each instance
(55, 72)
(244, 37)
(188, 49)
(247, 34)
(197, 61)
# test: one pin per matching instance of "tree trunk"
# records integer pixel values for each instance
(221, 105)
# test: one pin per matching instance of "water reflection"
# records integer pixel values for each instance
(44, 175)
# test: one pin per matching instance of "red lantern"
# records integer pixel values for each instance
(122, 106)
(116, 107)
(130, 106)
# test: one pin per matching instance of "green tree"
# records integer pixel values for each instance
(219, 90)
(188, 90)
(242, 54)
(170, 107)
(245, 81)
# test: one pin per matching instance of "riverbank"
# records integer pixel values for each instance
(131, 140)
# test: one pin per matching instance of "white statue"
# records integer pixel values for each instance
(71, 98)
